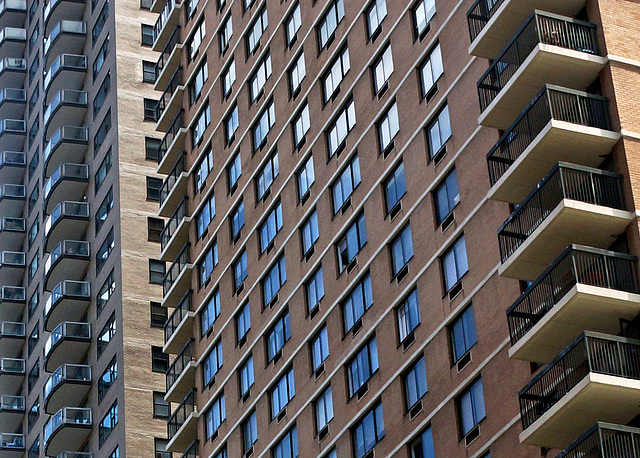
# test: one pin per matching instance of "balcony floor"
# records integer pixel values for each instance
(183, 384)
(181, 335)
(185, 435)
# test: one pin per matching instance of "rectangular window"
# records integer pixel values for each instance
(350, 244)
(301, 125)
(382, 70)
(103, 170)
(297, 72)
(104, 251)
(346, 183)
(33, 303)
(359, 300)
(33, 231)
(236, 221)
(203, 119)
(309, 233)
(100, 21)
(471, 407)
(157, 271)
(101, 95)
(362, 366)
(423, 12)
(102, 132)
(263, 126)
(323, 407)
(158, 313)
(240, 272)
(401, 250)
(270, 227)
(305, 178)
(388, 128)
(287, 447)
(101, 57)
(106, 291)
(278, 335)
(394, 188)
(33, 376)
(423, 446)
(160, 447)
(463, 334)
(430, 71)
(438, 133)
(256, 30)
(200, 77)
(214, 416)
(280, 395)
(228, 78)
(245, 373)
(159, 360)
(108, 424)
(408, 313)
(266, 175)
(161, 408)
(340, 128)
(33, 70)
(292, 24)
(337, 71)
(273, 281)
(320, 348)
(34, 337)
(210, 313)
(33, 266)
(205, 216)
(151, 148)
(147, 35)
(103, 211)
(208, 263)
(329, 23)
(243, 322)
(203, 169)
(226, 32)
(212, 364)
(107, 333)
(259, 78)
(375, 14)
(153, 189)
(193, 45)
(249, 430)
(415, 383)
(314, 290)
(234, 170)
(231, 124)
(154, 229)
(446, 196)
(454, 263)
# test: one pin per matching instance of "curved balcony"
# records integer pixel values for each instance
(175, 233)
(177, 280)
(170, 102)
(584, 289)
(605, 440)
(573, 204)
(68, 386)
(12, 372)
(12, 445)
(68, 71)
(57, 10)
(67, 145)
(67, 182)
(12, 410)
(76, 455)
(68, 429)
(66, 36)
(169, 60)
(12, 42)
(179, 326)
(12, 301)
(66, 107)
(596, 378)
(181, 426)
(12, 71)
(12, 134)
(558, 125)
(12, 199)
(67, 220)
(12, 102)
(69, 300)
(492, 23)
(172, 144)
(67, 261)
(12, 337)
(12, 165)
(12, 266)
(181, 374)
(68, 343)
(12, 232)
(167, 21)
(12, 12)
(174, 188)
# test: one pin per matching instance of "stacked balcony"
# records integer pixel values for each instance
(67, 343)
(178, 329)
(170, 102)
(12, 301)
(65, 36)
(174, 187)
(12, 199)
(57, 10)
(67, 261)
(12, 102)
(67, 145)
(172, 144)
(13, 71)
(181, 374)
(12, 373)
(12, 42)
(66, 219)
(67, 71)
(12, 267)
(12, 12)
(12, 134)
(177, 280)
(169, 60)
(12, 410)
(67, 429)
(175, 232)
(12, 337)
(68, 300)
(606, 440)
(12, 232)
(12, 445)
(69, 181)
(166, 23)
(67, 106)
(67, 386)
(182, 425)
(12, 165)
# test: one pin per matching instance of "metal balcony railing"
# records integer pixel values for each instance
(72, 373)
(176, 269)
(590, 353)
(13, 34)
(12, 366)
(13, 159)
(73, 248)
(162, 17)
(67, 330)
(12, 403)
(176, 80)
(565, 181)
(12, 294)
(78, 210)
(67, 288)
(13, 191)
(177, 316)
(76, 172)
(11, 329)
(13, 126)
(65, 134)
(76, 455)
(576, 265)
(552, 102)
(12, 259)
(13, 95)
(64, 97)
(178, 365)
(50, 6)
(180, 415)
(172, 225)
(75, 27)
(172, 178)
(67, 416)
(9, 224)
(172, 132)
(13, 63)
(480, 14)
(10, 441)
(605, 440)
(73, 62)
(174, 40)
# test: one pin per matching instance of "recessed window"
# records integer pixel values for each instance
(447, 196)
(297, 72)
(147, 35)
(431, 70)
(263, 126)
(103, 171)
(337, 71)
(108, 424)
(309, 233)
(205, 215)
(314, 290)
(287, 446)
(401, 250)
(107, 333)
(249, 429)
(212, 363)
(423, 12)
(161, 408)
(267, 173)
(193, 45)
(415, 383)
(153, 189)
(438, 132)
(358, 301)
(34, 411)
(160, 448)
(408, 313)
(243, 322)
(157, 271)
(259, 78)
(320, 348)
(106, 291)
(323, 407)
(363, 365)
(245, 374)
(273, 281)
(202, 121)
(462, 334)
(159, 360)
(236, 221)
(104, 251)
(151, 148)
(301, 125)
(422, 447)
(231, 124)
(388, 128)
(351, 242)
(375, 14)
(346, 183)
(159, 314)
(270, 227)
(292, 25)
(154, 229)
(228, 78)
(368, 431)
(471, 407)
(283, 391)
(234, 170)
(256, 30)
(198, 81)
(329, 23)
(210, 313)
(394, 188)
(214, 416)
(207, 264)
(382, 70)
(344, 122)
(305, 177)
(454, 263)
(278, 335)
(226, 32)
(150, 113)
(240, 272)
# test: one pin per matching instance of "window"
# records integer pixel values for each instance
(305, 178)
(314, 290)
(350, 244)
(33, 38)
(297, 72)
(259, 78)
(197, 82)
(255, 32)
(210, 313)
(382, 70)
(104, 210)
(208, 263)
(33, 376)
(35, 96)
(338, 69)
(309, 233)
(34, 300)
(375, 14)
(329, 23)
(205, 216)
(101, 95)
(271, 284)
(203, 169)
(108, 424)
(423, 12)
(454, 263)
(243, 322)
(323, 407)
(100, 21)
(301, 125)
(246, 376)
(104, 251)
(101, 57)
(161, 408)
(369, 431)
(203, 119)
(228, 78)
(236, 221)
(278, 335)
(33, 231)
(240, 272)
(431, 70)
(266, 175)
(153, 189)
(359, 300)
(394, 188)
(160, 448)
(463, 334)
(262, 127)
(249, 430)
(340, 128)
(159, 314)
(157, 271)
(388, 128)
(101, 133)
(151, 148)
(438, 132)
(471, 407)
(362, 366)
(401, 250)
(292, 25)
(159, 360)
(320, 348)
(422, 447)
(34, 337)
(415, 383)
(234, 171)
(270, 227)
(280, 395)
(231, 124)
(106, 291)
(192, 7)
(193, 45)
(226, 32)
(33, 266)
(147, 35)
(33, 197)
(34, 450)
(107, 333)
(33, 70)
(408, 313)
(447, 196)
(103, 171)
(33, 165)
(34, 414)
(115, 453)
(346, 183)
(248, 4)
(154, 229)
(214, 417)
(145, 4)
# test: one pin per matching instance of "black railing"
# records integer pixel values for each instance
(172, 132)
(565, 181)
(172, 225)
(192, 451)
(592, 352)
(174, 39)
(552, 102)
(480, 14)
(176, 269)
(177, 316)
(180, 415)
(541, 28)
(172, 178)
(605, 440)
(178, 365)
(576, 265)
(176, 80)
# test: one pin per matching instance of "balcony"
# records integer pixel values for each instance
(192, 451)
(558, 125)
(175, 233)
(169, 60)
(68, 71)
(12, 12)
(67, 182)
(12, 165)
(170, 102)
(68, 343)
(68, 219)
(66, 107)
(177, 280)
(573, 204)
(181, 374)
(12, 410)
(68, 386)
(12, 337)
(65, 37)
(179, 326)
(166, 23)
(172, 144)
(12, 199)
(12, 102)
(57, 10)
(12, 372)
(67, 261)
(181, 427)
(12, 266)
(69, 300)
(605, 440)
(12, 232)
(596, 378)
(492, 23)
(12, 134)
(12, 300)
(67, 145)
(12, 42)
(76, 455)
(68, 429)
(174, 188)
(12, 445)
(12, 72)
